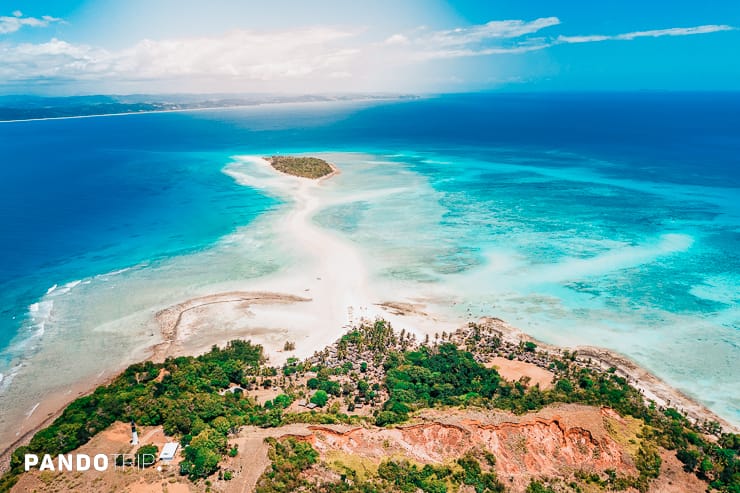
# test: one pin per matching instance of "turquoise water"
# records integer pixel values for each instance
(570, 255)
(584, 219)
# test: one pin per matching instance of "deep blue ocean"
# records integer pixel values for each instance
(82, 197)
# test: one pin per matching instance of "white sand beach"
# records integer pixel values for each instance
(330, 272)
(311, 302)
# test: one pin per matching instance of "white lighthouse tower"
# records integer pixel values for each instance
(134, 435)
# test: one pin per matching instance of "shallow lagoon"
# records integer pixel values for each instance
(599, 238)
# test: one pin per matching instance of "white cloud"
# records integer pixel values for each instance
(247, 54)
(512, 36)
(397, 39)
(491, 38)
(459, 53)
(677, 31)
(492, 30)
(237, 54)
(12, 24)
(654, 33)
(582, 39)
(316, 58)
(54, 59)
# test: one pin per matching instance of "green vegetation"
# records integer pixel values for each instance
(431, 376)
(185, 395)
(537, 487)
(288, 459)
(305, 167)
(445, 375)
(146, 455)
(291, 457)
(320, 398)
(324, 384)
(718, 462)
(185, 401)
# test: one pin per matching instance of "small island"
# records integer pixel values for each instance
(304, 167)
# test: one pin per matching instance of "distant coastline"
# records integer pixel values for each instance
(149, 108)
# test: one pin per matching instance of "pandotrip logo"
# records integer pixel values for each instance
(84, 462)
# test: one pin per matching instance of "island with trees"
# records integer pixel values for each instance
(302, 166)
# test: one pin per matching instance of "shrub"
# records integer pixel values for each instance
(146, 456)
(320, 398)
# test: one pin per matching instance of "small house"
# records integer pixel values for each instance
(169, 450)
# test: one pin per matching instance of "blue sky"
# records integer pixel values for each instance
(107, 46)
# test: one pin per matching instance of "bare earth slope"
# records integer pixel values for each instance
(554, 442)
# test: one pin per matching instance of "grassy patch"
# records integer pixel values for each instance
(341, 462)
(626, 432)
